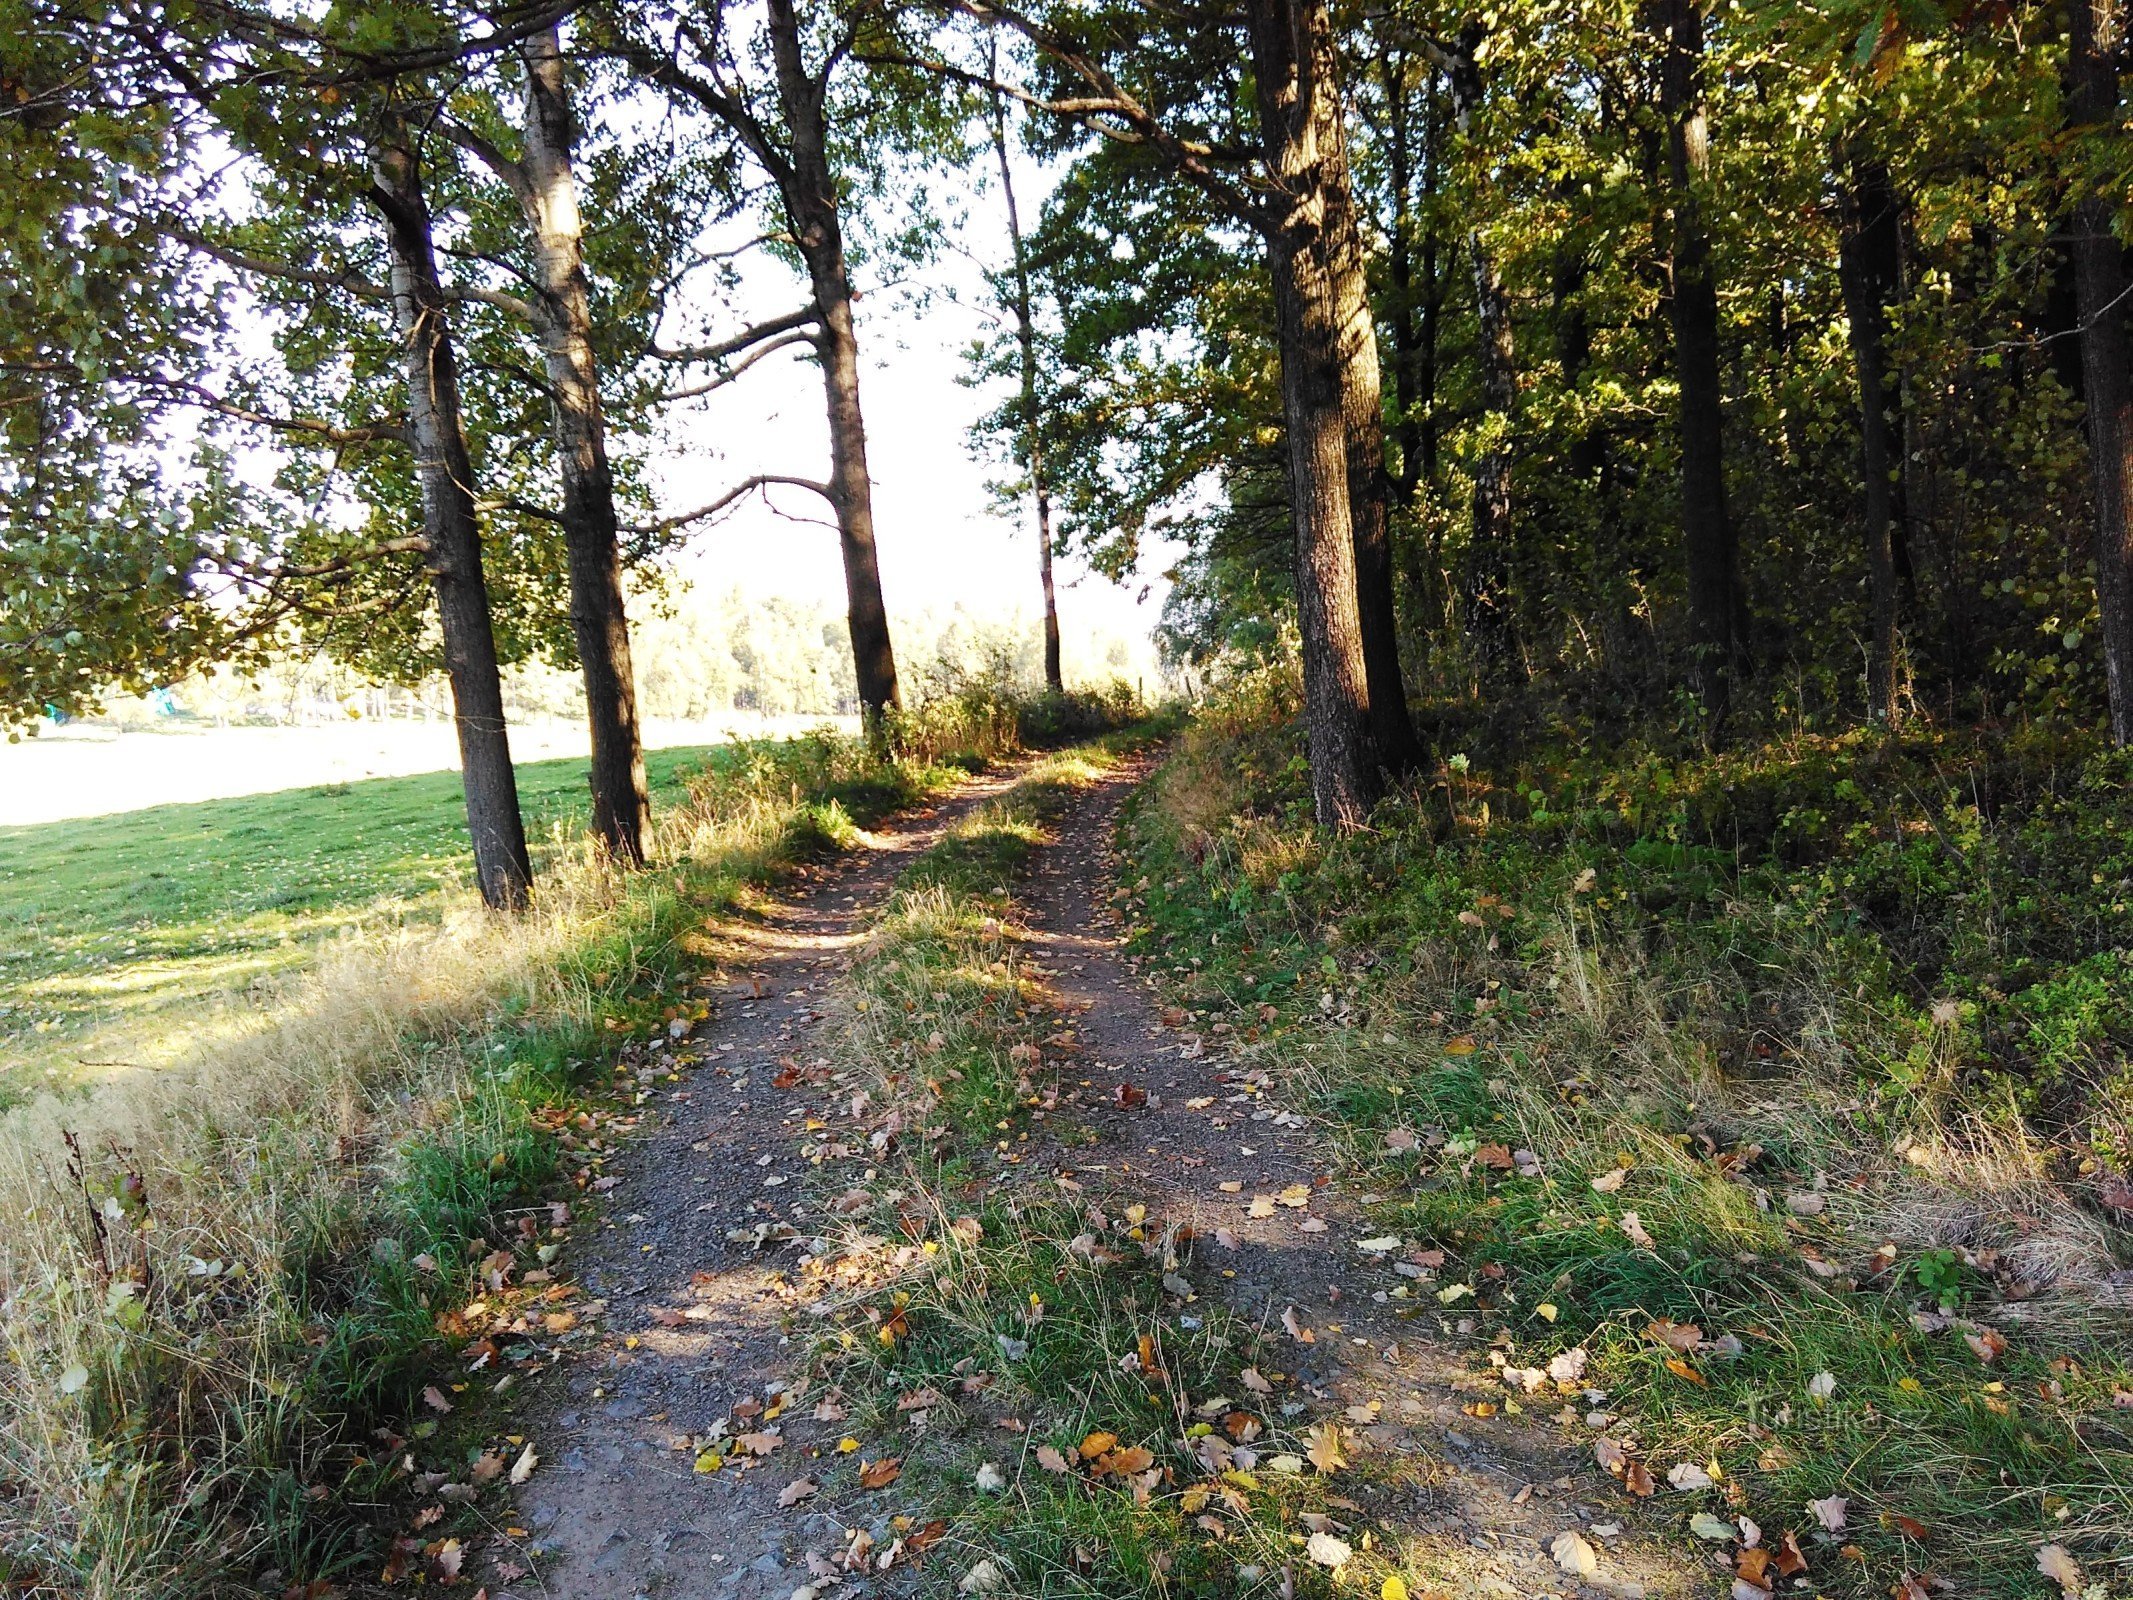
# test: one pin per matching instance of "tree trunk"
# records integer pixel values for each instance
(2097, 35)
(1709, 545)
(501, 865)
(1400, 267)
(1363, 405)
(1032, 429)
(1491, 627)
(1870, 264)
(809, 191)
(621, 799)
(1300, 117)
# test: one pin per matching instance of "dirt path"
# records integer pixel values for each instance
(1485, 1496)
(693, 1318)
(619, 1510)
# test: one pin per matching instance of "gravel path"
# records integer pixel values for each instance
(619, 1511)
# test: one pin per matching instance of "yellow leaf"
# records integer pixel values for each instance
(710, 1461)
(1547, 1312)
(846, 1446)
(1392, 1589)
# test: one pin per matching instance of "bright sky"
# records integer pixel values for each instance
(942, 540)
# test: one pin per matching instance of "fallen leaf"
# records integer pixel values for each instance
(1633, 1228)
(433, 1397)
(1688, 1477)
(522, 1468)
(1393, 1588)
(983, 1578)
(1830, 1512)
(1097, 1444)
(1328, 1551)
(1610, 1180)
(1681, 1336)
(1985, 1344)
(990, 1479)
(1325, 1447)
(1706, 1526)
(1637, 1479)
(2056, 1564)
(880, 1474)
(1573, 1554)
(1821, 1386)
(1296, 1330)
(1790, 1560)
(1050, 1459)
(796, 1491)
(1250, 1377)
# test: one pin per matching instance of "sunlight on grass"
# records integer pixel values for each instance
(127, 937)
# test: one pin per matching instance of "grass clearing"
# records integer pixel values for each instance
(125, 933)
(1782, 1084)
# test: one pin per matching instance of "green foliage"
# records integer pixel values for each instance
(1735, 988)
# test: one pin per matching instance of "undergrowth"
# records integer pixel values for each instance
(1788, 1084)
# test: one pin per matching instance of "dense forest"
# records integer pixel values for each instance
(1655, 490)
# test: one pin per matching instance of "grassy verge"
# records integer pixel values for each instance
(217, 1279)
(1787, 1086)
(122, 930)
(1045, 1376)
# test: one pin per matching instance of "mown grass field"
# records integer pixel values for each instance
(121, 935)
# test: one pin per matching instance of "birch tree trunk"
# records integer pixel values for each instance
(435, 432)
(621, 799)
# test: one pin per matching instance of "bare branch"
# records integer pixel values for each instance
(741, 341)
(746, 486)
(732, 373)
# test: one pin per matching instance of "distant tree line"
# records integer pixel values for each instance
(1630, 360)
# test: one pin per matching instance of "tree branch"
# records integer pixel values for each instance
(746, 486)
(733, 372)
(741, 341)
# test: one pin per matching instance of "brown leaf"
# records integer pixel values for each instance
(1325, 1447)
(880, 1474)
(1681, 1369)
(1494, 1155)
(1050, 1459)
(1126, 1460)
(796, 1491)
(1637, 1479)
(1097, 1444)
(433, 1397)
(1909, 1527)
(1791, 1561)
(1682, 1336)
(1296, 1329)
(1250, 1377)
(1242, 1426)
(918, 1542)
(757, 1444)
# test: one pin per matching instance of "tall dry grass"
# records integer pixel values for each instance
(203, 1271)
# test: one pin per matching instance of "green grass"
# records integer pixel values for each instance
(116, 928)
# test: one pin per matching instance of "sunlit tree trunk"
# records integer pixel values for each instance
(621, 799)
(437, 435)
(1300, 116)
(1363, 403)
(810, 193)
